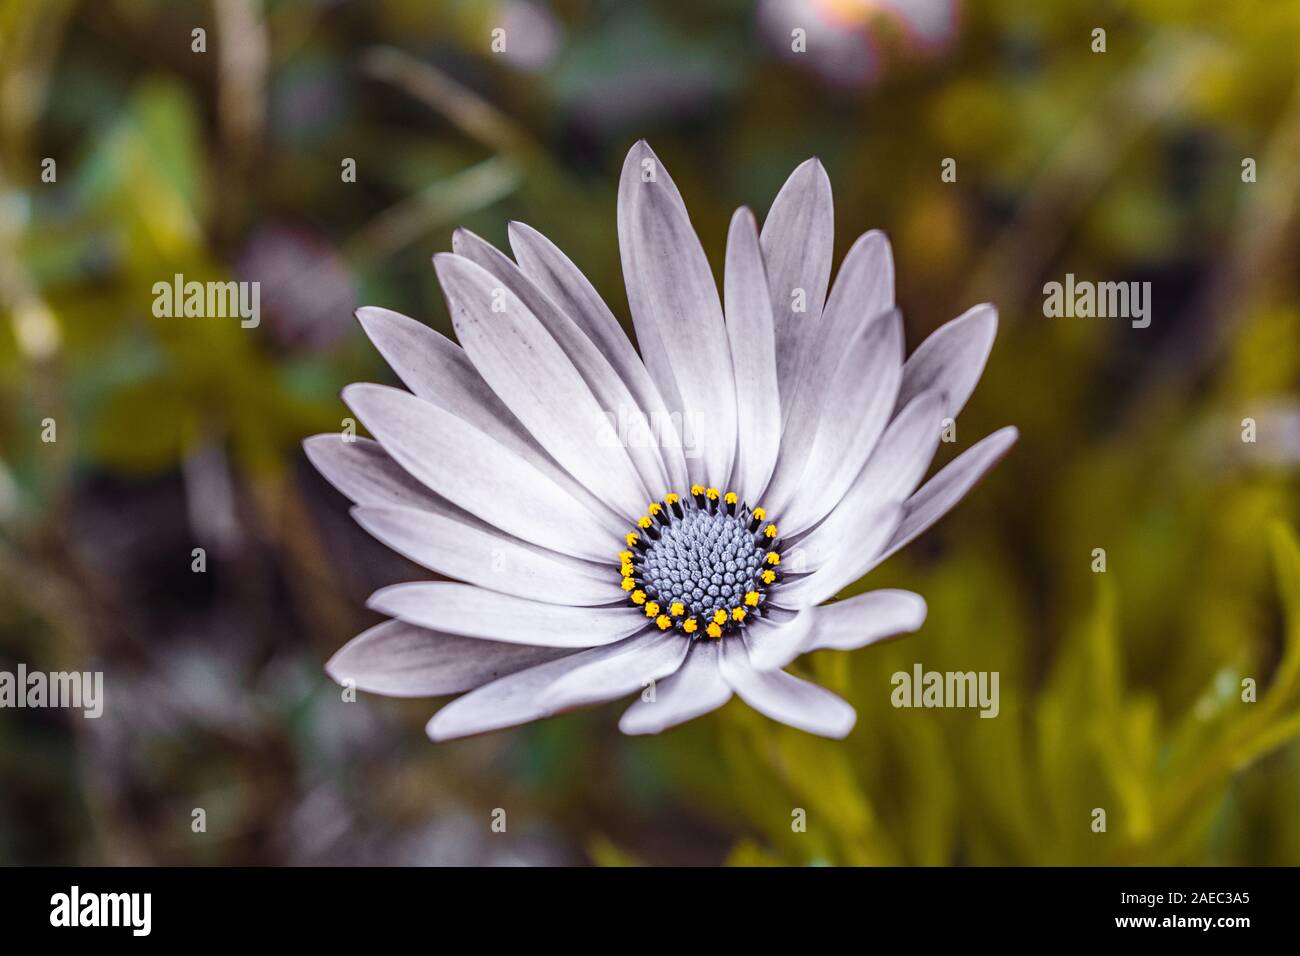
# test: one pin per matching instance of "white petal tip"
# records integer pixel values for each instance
(743, 213)
(379, 600)
(359, 396)
(1003, 439)
(812, 166)
(451, 723)
(438, 731)
(986, 313)
(842, 730)
(637, 728)
(442, 260)
(333, 670)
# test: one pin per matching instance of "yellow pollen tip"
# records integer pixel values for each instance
(719, 616)
(678, 609)
(633, 537)
(737, 613)
(773, 558)
(627, 569)
(638, 597)
(770, 531)
(697, 489)
(752, 599)
(655, 508)
(711, 494)
(760, 513)
(628, 584)
(651, 609)
(644, 521)
(671, 499)
(713, 630)
(769, 577)
(664, 622)
(730, 498)
(690, 626)
(625, 555)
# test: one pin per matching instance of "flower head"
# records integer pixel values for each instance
(776, 442)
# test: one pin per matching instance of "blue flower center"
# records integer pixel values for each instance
(706, 562)
(702, 565)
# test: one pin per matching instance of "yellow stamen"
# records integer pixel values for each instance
(752, 599)
(719, 616)
(773, 558)
(690, 626)
(769, 577)
(697, 489)
(770, 531)
(713, 630)
(664, 622)
(730, 498)
(628, 584)
(671, 499)
(644, 521)
(625, 555)
(638, 597)
(627, 570)
(651, 609)
(711, 494)
(760, 513)
(737, 613)
(678, 609)
(633, 537)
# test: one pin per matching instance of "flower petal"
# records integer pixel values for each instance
(798, 241)
(863, 294)
(892, 473)
(693, 691)
(860, 550)
(511, 700)
(438, 371)
(611, 394)
(677, 314)
(476, 612)
(774, 644)
(400, 660)
(474, 552)
(859, 402)
(478, 474)
(364, 472)
(952, 359)
(938, 495)
(559, 278)
(535, 379)
(785, 697)
(753, 356)
(640, 662)
(864, 619)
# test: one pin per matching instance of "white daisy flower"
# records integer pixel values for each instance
(775, 443)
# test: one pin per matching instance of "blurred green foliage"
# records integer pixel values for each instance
(1120, 690)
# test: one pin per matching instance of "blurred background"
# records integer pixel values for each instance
(1120, 690)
